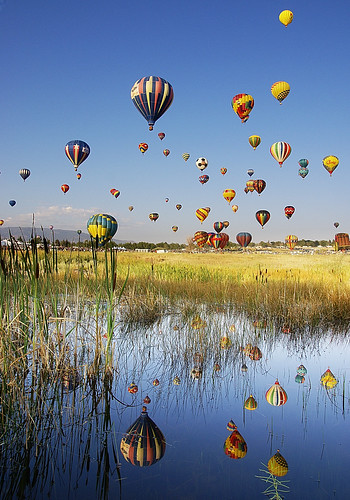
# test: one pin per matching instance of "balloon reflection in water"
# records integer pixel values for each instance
(277, 465)
(235, 446)
(276, 395)
(250, 403)
(143, 443)
(301, 370)
(328, 379)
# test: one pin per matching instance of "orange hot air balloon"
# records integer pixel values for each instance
(202, 213)
(1, 222)
(166, 152)
(235, 208)
(277, 465)
(223, 170)
(259, 186)
(161, 135)
(229, 194)
(250, 186)
(200, 238)
(65, 188)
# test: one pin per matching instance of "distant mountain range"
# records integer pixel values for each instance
(58, 234)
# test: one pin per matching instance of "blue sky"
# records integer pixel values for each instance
(67, 71)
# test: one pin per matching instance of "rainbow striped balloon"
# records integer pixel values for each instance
(280, 151)
(276, 395)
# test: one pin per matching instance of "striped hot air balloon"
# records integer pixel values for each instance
(259, 186)
(185, 156)
(262, 216)
(152, 96)
(24, 173)
(276, 395)
(250, 403)
(254, 141)
(291, 241)
(143, 146)
(102, 228)
(235, 446)
(143, 443)
(202, 213)
(244, 239)
(200, 238)
(115, 192)
(280, 151)
(77, 152)
(218, 226)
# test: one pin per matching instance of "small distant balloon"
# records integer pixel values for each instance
(202, 213)
(200, 238)
(185, 156)
(286, 17)
(250, 172)
(174, 228)
(336, 224)
(254, 141)
(242, 105)
(153, 216)
(178, 206)
(65, 188)
(291, 241)
(303, 163)
(262, 216)
(229, 194)
(201, 163)
(280, 151)
(259, 186)
(235, 208)
(1, 222)
(203, 179)
(161, 135)
(218, 226)
(51, 228)
(115, 192)
(166, 152)
(289, 211)
(131, 208)
(330, 163)
(280, 90)
(303, 171)
(223, 170)
(78, 176)
(243, 239)
(166, 200)
(226, 223)
(143, 146)
(79, 231)
(24, 173)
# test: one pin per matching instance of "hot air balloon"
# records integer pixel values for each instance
(262, 216)
(259, 186)
(115, 192)
(161, 135)
(153, 216)
(280, 151)
(77, 152)
(218, 226)
(254, 141)
(178, 206)
(210, 239)
(330, 163)
(235, 446)
(303, 172)
(303, 163)
(216, 240)
(223, 170)
(143, 147)
(336, 224)
(1, 222)
(203, 179)
(242, 105)
(276, 395)
(79, 231)
(299, 379)
(229, 194)
(51, 228)
(244, 239)
(223, 240)
(200, 238)
(277, 465)
(102, 228)
(235, 208)
(201, 163)
(65, 188)
(152, 96)
(78, 176)
(250, 172)
(249, 186)
(286, 17)
(166, 200)
(291, 241)
(131, 208)
(12, 203)
(174, 228)
(255, 353)
(185, 156)
(166, 152)
(301, 370)
(133, 389)
(202, 213)
(226, 223)
(144, 443)
(280, 90)
(24, 173)
(289, 211)
(328, 379)
(250, 403)
(155, 382)
(176, 380)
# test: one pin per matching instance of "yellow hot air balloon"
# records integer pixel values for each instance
(328, 379)
(330, 163)
(254, 141)
(280, 90)
(229, 194)
(235, 446)
(250, 403)
(202, 213)
(277, 465)
(235, 208)
(286, 17)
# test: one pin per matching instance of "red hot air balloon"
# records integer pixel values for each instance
(200, 238)
(223, 170)
(65, 188)
(235, 446)
(153, 216)
(244, 239)
(161, 135)
(166, 152)
(289, 211)
(259, 185)
(203, 179)
(143, 147)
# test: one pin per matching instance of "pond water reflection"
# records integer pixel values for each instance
(207, 418)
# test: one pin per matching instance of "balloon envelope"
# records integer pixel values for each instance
(143, 147)
(289, 211)
(244, 239)
(303, 163)
(280, 90)
(291, 241)
(12, 203)
(203, 179)
(303, 171)
(277, 465)
(229, 194)
(77, 152)
(166, 152)
(276, 395)
(259, 185)
(200, 238)
(152, 96)
(250, 172)
(65, 188)
(254, 141)
(286, 17)
(161, 135)
(153, 216)
(24, 173)
(280, 151)
(102, 228)
(330, 163)
(185, 156)
(262, 216)
(242, 105)
(223, 170)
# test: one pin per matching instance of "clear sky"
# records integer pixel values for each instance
(67, 70)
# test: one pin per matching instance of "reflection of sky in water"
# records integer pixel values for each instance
(310, 430)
